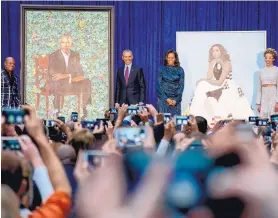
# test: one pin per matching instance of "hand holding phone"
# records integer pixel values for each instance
(261, 122)
(63, 119)
(167, 117)
(132, 110)
(50, 123)
(11, 143)
(253, 119)
(104, 121)
(181, 120)
(113, 110)
(14, 115)
(88, 124)
(128, 137)
(274, 122)
(143, 107)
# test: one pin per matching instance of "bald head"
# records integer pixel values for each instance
(9, 64)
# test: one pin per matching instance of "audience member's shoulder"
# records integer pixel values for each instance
(2, 72)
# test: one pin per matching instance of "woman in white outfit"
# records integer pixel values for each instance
(217, 95)
(267, 96)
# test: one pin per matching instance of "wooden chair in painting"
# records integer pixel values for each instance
(41, 75)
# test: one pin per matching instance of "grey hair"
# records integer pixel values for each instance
(125, 51)
(67, 35)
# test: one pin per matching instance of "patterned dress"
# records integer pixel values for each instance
(170, 85)
(225, 101)
(267, 96)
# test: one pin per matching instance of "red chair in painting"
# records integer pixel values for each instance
(41, 75)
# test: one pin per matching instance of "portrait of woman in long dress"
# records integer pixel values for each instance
(217, 94)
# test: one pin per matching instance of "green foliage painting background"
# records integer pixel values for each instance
(90, 36)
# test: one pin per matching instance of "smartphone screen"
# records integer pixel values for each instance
(181, 120)
(88, 124)
(130, 137)
(74, 116)
(10, 143)
(252, 119)
(261, 122)
(50, 123)
(105, 121)
(274, 118)
(94, 157)
(113, 110)
(167, 117)
(132, 110)
(63, 119)
(274, 122)
(143, 107)
(14, 115)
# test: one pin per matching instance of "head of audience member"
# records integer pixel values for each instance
(136, 119)
(66, 43)
(16, 173)
(270, 56)
(9, 203)
(56, 145)
(8, 130)
(66, 154)
(82, 139)
(202, 124)
(171, 58)
(217, 51)
(70, 125)
(127, 57)
(9, 64)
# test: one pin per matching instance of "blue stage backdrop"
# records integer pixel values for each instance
(149, 28)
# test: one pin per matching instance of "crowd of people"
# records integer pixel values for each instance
(143, 162)
(188, 170)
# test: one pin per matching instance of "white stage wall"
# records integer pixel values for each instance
(246, 53)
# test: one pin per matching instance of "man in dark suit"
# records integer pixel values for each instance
(131, 86)
(66, 74)
(9, 91)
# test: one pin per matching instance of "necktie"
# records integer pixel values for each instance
(126, 75)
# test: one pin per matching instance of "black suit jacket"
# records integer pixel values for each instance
(135, 91)
(57, 65)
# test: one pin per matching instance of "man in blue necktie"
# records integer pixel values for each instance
(130, 86)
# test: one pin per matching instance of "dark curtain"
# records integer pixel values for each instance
(149, 28)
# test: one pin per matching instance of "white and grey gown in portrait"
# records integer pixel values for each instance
(226, 100)
(267, 96)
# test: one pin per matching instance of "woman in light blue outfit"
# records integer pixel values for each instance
(267, 96)
(170, 85)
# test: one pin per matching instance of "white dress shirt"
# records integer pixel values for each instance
(66, 58)
(129, 68)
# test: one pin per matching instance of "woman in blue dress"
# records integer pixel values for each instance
(170, 84)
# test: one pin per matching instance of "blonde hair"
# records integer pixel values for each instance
(82, 139)
(271, 51)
